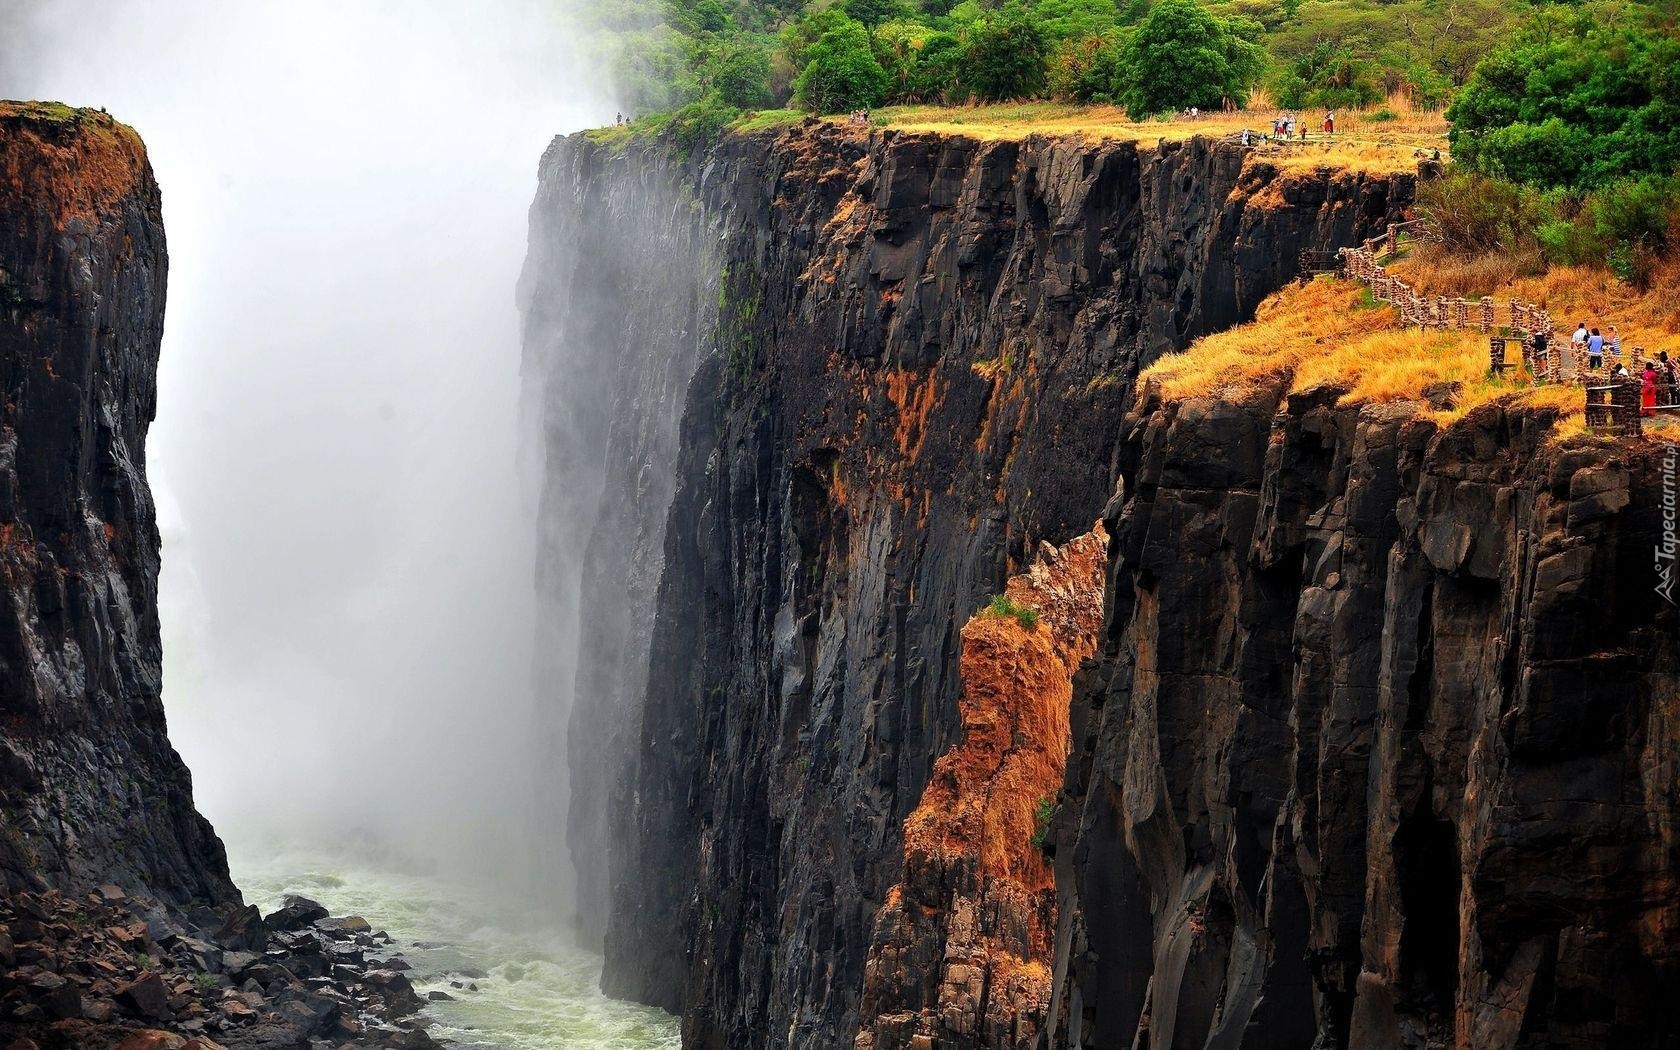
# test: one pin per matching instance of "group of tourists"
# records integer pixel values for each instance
(1658, 378)
(858, 116)
(1659, 384)
(1287, 126)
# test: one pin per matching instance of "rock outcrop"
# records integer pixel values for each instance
(961, 949)
(1380, 749)
(619, 302)
(913, 352)
(119, 924)
(91, 791)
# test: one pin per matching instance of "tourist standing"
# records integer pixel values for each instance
(1595, 350)
(1537, 358)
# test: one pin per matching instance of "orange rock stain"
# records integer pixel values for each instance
(77, 163)
(983, 797)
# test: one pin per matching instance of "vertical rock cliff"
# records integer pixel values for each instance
(1380, 750)
(912, 354)
(90, 789)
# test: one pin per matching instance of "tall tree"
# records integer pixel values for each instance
(1182, 55)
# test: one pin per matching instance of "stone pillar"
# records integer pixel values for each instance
(1625, 398)
(1487, 313)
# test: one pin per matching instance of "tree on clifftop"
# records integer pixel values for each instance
(841, 72)
(1183, 56)
(1005, 56)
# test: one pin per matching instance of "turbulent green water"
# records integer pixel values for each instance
(541, 991)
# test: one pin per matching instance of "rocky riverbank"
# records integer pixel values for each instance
(106, 969)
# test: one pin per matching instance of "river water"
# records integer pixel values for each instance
(540, 990)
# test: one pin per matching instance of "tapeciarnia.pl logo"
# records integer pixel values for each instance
(1667, 545)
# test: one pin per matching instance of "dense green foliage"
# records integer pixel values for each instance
(1005, 54)
(1574, 101)
(840, 71)
(1566, 143)
(1566, 116)
(1152, 56)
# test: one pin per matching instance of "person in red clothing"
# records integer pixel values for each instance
(1648, 390)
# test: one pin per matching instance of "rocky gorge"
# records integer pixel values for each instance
(916, 673)
(1375, 744)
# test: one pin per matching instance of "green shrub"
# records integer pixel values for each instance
(936, 74)
(1382, 116)
(1550, 153)
(1327, 77)
(872, 12)
(1573, 100)
(1626, 225)
(1043, 813)
(739, 75)
(1567, 242)
(699, 123)
(1002, 606)
(1473, 213)
(1082, 70)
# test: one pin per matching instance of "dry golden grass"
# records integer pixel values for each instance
(1328, 332)
(1302, 322)
(1359, 143)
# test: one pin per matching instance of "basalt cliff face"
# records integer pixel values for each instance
(856, 381)
(90, 789)
(1381, 747)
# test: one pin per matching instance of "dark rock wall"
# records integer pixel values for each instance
(1380, 751)
(915, 372)
(90, 789)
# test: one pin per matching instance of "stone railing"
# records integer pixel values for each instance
(1439, 311)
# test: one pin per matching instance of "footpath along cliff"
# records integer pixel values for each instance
(905, 365)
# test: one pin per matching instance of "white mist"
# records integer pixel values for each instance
(347, 583)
